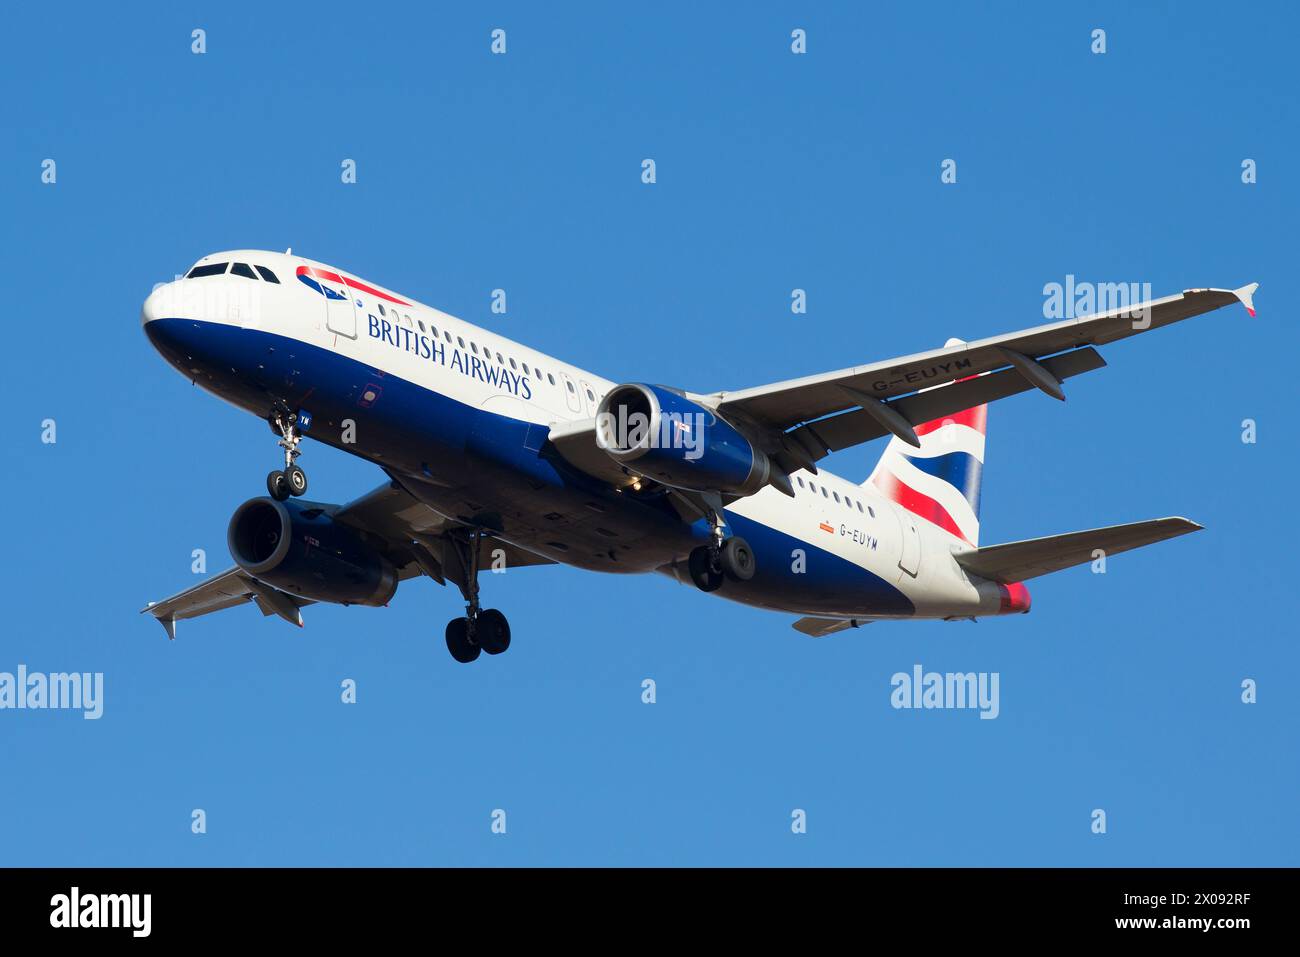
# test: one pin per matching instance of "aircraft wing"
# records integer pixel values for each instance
(410, 534)
(1021, 561)
(800, 421)
(783, 405)
(232, 587)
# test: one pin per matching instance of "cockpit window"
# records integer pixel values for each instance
(211, 269)
(242, 269)
(266, 273)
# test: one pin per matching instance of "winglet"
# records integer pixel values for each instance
(1246, 294)
(169, 626)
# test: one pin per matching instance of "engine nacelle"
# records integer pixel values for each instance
(296, 547)
(659, 433)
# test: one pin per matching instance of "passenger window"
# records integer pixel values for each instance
(474, 347)
(590, 397)
(461, 342)
(266, 274)
(824, 495)
(526, 372)
(799, 480)
(421, 324)
(513, 365)
(550, 378)
(242, 269)
(381, 309)
(859, 504)
(433, 330)
(569, 385)
(500, 360)
(871, 511)
(447, 336)
(212, 269)
(837, 497)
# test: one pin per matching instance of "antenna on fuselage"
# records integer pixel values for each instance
(289, 251)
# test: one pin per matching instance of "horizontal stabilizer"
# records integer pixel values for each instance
(821, 627)
(1021, 561)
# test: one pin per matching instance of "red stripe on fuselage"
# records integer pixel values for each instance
(918, 504)
(345, 281)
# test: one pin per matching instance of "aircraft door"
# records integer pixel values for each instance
(909, 559)
(340, 310)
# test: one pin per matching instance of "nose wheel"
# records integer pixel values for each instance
(291, 480)
(481, 629)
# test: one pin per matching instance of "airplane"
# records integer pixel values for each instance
(499, 456)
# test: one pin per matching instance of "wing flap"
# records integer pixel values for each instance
(1021, 561)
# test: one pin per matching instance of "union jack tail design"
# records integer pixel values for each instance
(940, 481)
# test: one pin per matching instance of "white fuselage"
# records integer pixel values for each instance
(485, 388)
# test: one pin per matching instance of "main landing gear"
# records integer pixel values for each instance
(292, 480)
(720, 560)
(481, 629)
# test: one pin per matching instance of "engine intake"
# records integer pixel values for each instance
(659, 433)
(298, 548)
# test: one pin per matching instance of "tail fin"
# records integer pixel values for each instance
(940, 481)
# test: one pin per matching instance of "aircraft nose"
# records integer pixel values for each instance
(169, 318)
(152, 308)
(165, 302)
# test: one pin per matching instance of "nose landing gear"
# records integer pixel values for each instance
(292, 480)
(481, 629)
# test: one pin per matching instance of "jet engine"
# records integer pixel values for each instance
(297, 547)
(659, 433)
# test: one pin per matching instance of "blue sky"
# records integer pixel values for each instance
(775, 171)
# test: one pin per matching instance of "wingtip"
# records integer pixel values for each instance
(1246, 294)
